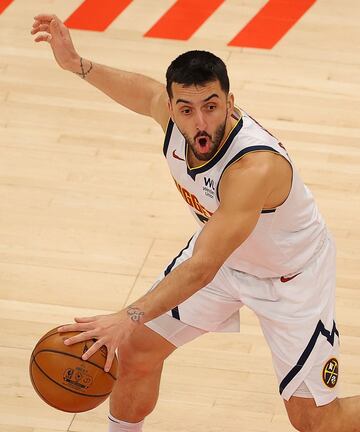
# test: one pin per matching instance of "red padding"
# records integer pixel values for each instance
(183, 19)
(4, 4)
(271, 23)
(96, 15)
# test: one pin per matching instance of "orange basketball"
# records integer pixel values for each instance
(65, 381)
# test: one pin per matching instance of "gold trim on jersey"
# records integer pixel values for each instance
(218, 150)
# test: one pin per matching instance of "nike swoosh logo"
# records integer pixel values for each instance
(287, 279)
(177, 157)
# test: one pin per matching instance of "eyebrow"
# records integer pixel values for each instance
(205, 100)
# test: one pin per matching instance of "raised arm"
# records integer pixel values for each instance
(136, 92)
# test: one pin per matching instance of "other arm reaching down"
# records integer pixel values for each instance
(244, 189)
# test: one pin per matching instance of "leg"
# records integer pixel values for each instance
(299, 325)
(140, 364)
(339, 415)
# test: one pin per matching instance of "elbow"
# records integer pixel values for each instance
(209, 274)
(208, 278)
(204, 269)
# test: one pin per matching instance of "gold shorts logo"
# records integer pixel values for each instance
(330, 373)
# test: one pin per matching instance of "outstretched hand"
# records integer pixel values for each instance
(52, 30)
(109, 330)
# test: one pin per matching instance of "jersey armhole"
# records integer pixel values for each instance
(253, 149)
(168, 133)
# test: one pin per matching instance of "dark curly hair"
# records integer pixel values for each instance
(197, 68)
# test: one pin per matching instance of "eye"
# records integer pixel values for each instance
(211, 107)
(186, 110)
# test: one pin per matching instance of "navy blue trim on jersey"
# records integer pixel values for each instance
(202, 219)
(239, 155)
(264, 211)
(320, 329)
(175, 312)
(169, 130)
(197, 170)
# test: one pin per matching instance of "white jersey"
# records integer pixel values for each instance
(286, 237)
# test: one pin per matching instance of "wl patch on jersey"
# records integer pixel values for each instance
(209, 187)
(330, 373)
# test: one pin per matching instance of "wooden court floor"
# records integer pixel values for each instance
(89, 215)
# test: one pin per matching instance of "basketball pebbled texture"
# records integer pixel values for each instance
(65, 381)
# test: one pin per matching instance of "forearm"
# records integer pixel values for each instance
(132, 90)
(184, 281)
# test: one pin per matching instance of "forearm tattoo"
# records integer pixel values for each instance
(135, 314)
(83, 73)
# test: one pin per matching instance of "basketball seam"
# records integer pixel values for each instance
(74, 356)
(47, 336)
(66, 388)
(37, 388)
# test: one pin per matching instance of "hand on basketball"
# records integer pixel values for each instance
(52, 30)
(109, 330)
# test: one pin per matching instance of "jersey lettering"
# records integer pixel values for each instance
(192, 201)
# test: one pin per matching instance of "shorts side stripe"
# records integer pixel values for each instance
(320, 329)
(175, 311)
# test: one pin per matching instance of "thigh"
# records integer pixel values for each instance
(298, 321)
(173, 330)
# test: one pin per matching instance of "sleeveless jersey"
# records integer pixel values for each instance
(285, 238)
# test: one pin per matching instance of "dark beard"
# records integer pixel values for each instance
(215, 142)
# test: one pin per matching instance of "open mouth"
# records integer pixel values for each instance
(204, 144)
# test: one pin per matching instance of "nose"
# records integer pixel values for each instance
(200, 122)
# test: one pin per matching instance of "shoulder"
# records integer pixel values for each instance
(256, 172)
(160, 109)
(261, 162)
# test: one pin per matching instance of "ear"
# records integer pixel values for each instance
(171, 112)
(230, 102)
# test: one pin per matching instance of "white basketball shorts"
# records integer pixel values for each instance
(296, 313)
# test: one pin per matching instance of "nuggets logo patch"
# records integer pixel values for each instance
(330, 373)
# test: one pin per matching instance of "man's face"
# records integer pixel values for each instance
(202, 114)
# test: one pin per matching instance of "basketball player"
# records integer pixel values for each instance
(261, 243)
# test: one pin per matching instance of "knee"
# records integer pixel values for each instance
(314, 419)
(305, 423)
(143, 353)
(133, 359)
